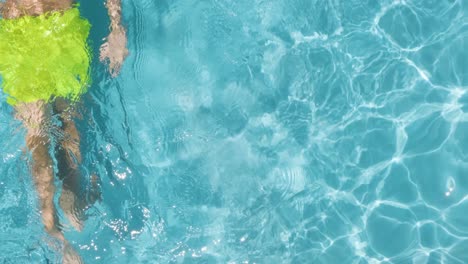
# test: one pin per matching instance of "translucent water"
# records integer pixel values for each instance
(280, 131)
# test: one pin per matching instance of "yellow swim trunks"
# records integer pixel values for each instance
(44, 57)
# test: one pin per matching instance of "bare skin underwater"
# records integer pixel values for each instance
(36, 118)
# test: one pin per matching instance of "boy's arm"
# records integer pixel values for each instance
(114, 51)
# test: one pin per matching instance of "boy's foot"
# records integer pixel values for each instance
(70, 205)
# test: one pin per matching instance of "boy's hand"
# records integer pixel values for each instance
(114, 50)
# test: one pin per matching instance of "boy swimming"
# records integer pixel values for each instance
(44, 65)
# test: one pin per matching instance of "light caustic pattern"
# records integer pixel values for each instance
(272, 132)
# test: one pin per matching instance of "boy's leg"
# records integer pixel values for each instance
(68, 149)
(73, 200)
(68, 157)
(35, 119)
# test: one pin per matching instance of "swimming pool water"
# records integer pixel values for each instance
(280, 131)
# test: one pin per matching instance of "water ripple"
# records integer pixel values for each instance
(268, 132)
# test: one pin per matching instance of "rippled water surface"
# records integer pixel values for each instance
(280, 131)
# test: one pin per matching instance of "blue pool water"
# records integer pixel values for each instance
(280, 131)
